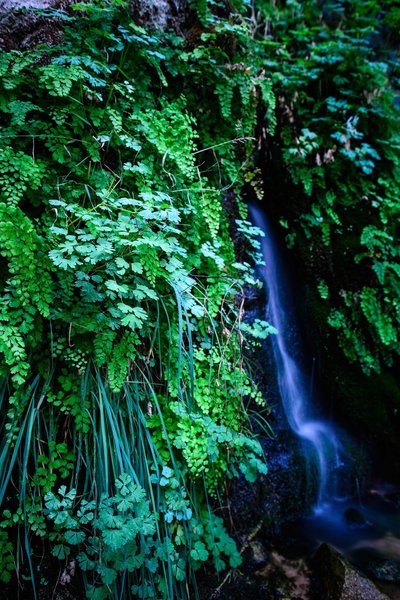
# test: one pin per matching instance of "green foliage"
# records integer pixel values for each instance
(125, 527)
(336, 151)
(19, 173)
(57, 464)
(258, 329)
(118, 287)
(125, 539)
(121, 341)
(6, 558)
(26, 288)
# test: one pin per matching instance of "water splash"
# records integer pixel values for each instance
(322, 446)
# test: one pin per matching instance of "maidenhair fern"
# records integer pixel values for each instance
(334, 160)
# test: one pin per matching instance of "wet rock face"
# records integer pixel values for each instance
(277, 497)
(284, 493)
(22, 27)
(385, 570)
(161, 14)
(15, 4)
(336, 579)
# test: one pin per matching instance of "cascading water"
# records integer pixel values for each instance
(367, 534)
(322, 446)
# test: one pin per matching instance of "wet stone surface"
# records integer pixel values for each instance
(22, 26)
(384, 570)
(336, 579)
(18, 4)
(355, 519)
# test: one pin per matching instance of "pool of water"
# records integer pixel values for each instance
(366, 533)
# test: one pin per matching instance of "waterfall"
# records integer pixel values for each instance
(321, 444)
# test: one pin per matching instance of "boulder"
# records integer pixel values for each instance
(355, 519)
(336, 579)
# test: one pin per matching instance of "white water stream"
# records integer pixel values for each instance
(367, 533)
(321, 444)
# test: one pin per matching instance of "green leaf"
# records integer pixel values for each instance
(107, 574)
(199, 552)
(85, 563)
(60, 551)
(74, 537)
(135, 319)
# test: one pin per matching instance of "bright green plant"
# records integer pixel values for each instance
(118, 287)
(126, 541)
